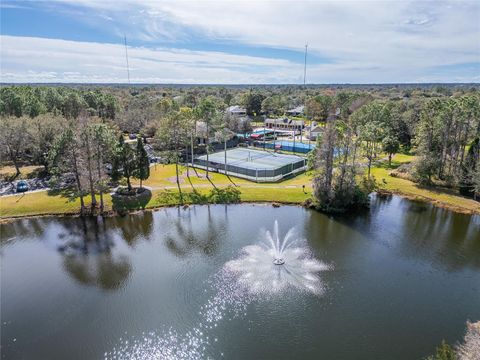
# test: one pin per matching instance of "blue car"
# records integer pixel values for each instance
(22, 186)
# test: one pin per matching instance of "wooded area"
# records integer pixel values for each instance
(81, 131)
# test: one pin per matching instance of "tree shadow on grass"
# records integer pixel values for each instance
(20, 197)
(211, 182)
(230, 179)
(69, 193)
(190, 181)
(384, 164)
(442, 190)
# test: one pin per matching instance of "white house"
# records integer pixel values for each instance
(236, 110)
(284, 124)
(296, 111)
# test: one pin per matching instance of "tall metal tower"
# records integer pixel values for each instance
(305, 66)
(126, 57)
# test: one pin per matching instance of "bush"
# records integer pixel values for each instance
(425, 168)
(196, 198)
(224, 196)
(443, 352)
(124, 200)
(228, 195)
(125, 192)
(368, 184)
(122, 182)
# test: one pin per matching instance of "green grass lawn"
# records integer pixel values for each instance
(162, 181)
(282, 195)
(438, 195)
(40, 203)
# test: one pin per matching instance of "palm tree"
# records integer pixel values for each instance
(208, 113)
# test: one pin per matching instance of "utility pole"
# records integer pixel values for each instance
(126, 57)
(305, 66)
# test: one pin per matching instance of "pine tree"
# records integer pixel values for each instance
(142, 171)
(125, 159)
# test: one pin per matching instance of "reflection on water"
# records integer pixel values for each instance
(200, 283)
(423, 231)
(85, 236)
(251, 277)
(104, 271)
(164, 346)
(185, 238)
(415, 229)
(135, 227)
(88, 256)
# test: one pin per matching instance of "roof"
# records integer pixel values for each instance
(297, 110)
(254, 136)
(236, 109)
(317, 129)
(284, 121)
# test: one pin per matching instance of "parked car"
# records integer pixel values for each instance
(132, 136)
(22, 186)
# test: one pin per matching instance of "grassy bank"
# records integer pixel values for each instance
(163, 181)
(439, 196)
(38, 203)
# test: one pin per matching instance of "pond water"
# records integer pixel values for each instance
(188, 284)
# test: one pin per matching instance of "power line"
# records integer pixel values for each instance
(305, 66)
(126, 57)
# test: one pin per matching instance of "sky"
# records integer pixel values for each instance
(240, 42)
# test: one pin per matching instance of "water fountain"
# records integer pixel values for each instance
(262, 270)
(276, 264)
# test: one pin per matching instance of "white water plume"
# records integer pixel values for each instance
(278, 264)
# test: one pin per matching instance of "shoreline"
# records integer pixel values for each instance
(381, 193)
(111, 213)
(431, 201)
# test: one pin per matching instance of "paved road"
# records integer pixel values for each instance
(26, 192)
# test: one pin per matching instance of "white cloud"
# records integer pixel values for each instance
(26, 59)
(364, 41)
(357, 29)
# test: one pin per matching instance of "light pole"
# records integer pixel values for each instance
(126, 57)
(305, 66)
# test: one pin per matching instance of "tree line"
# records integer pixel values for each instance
(89, 150)
(443, 133)
(68, 128)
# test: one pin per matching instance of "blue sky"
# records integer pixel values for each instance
(233, 42)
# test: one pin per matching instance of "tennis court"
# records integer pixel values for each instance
(255, 165)
(285, 145)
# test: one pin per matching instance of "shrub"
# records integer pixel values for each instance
(224, 196)
(125, 192)
(124, 200)
(196, 198)
(443, 352)
(424, 169)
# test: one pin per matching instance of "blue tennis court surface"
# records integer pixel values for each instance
(286, 145)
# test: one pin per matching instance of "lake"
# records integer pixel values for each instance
(188, 284)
